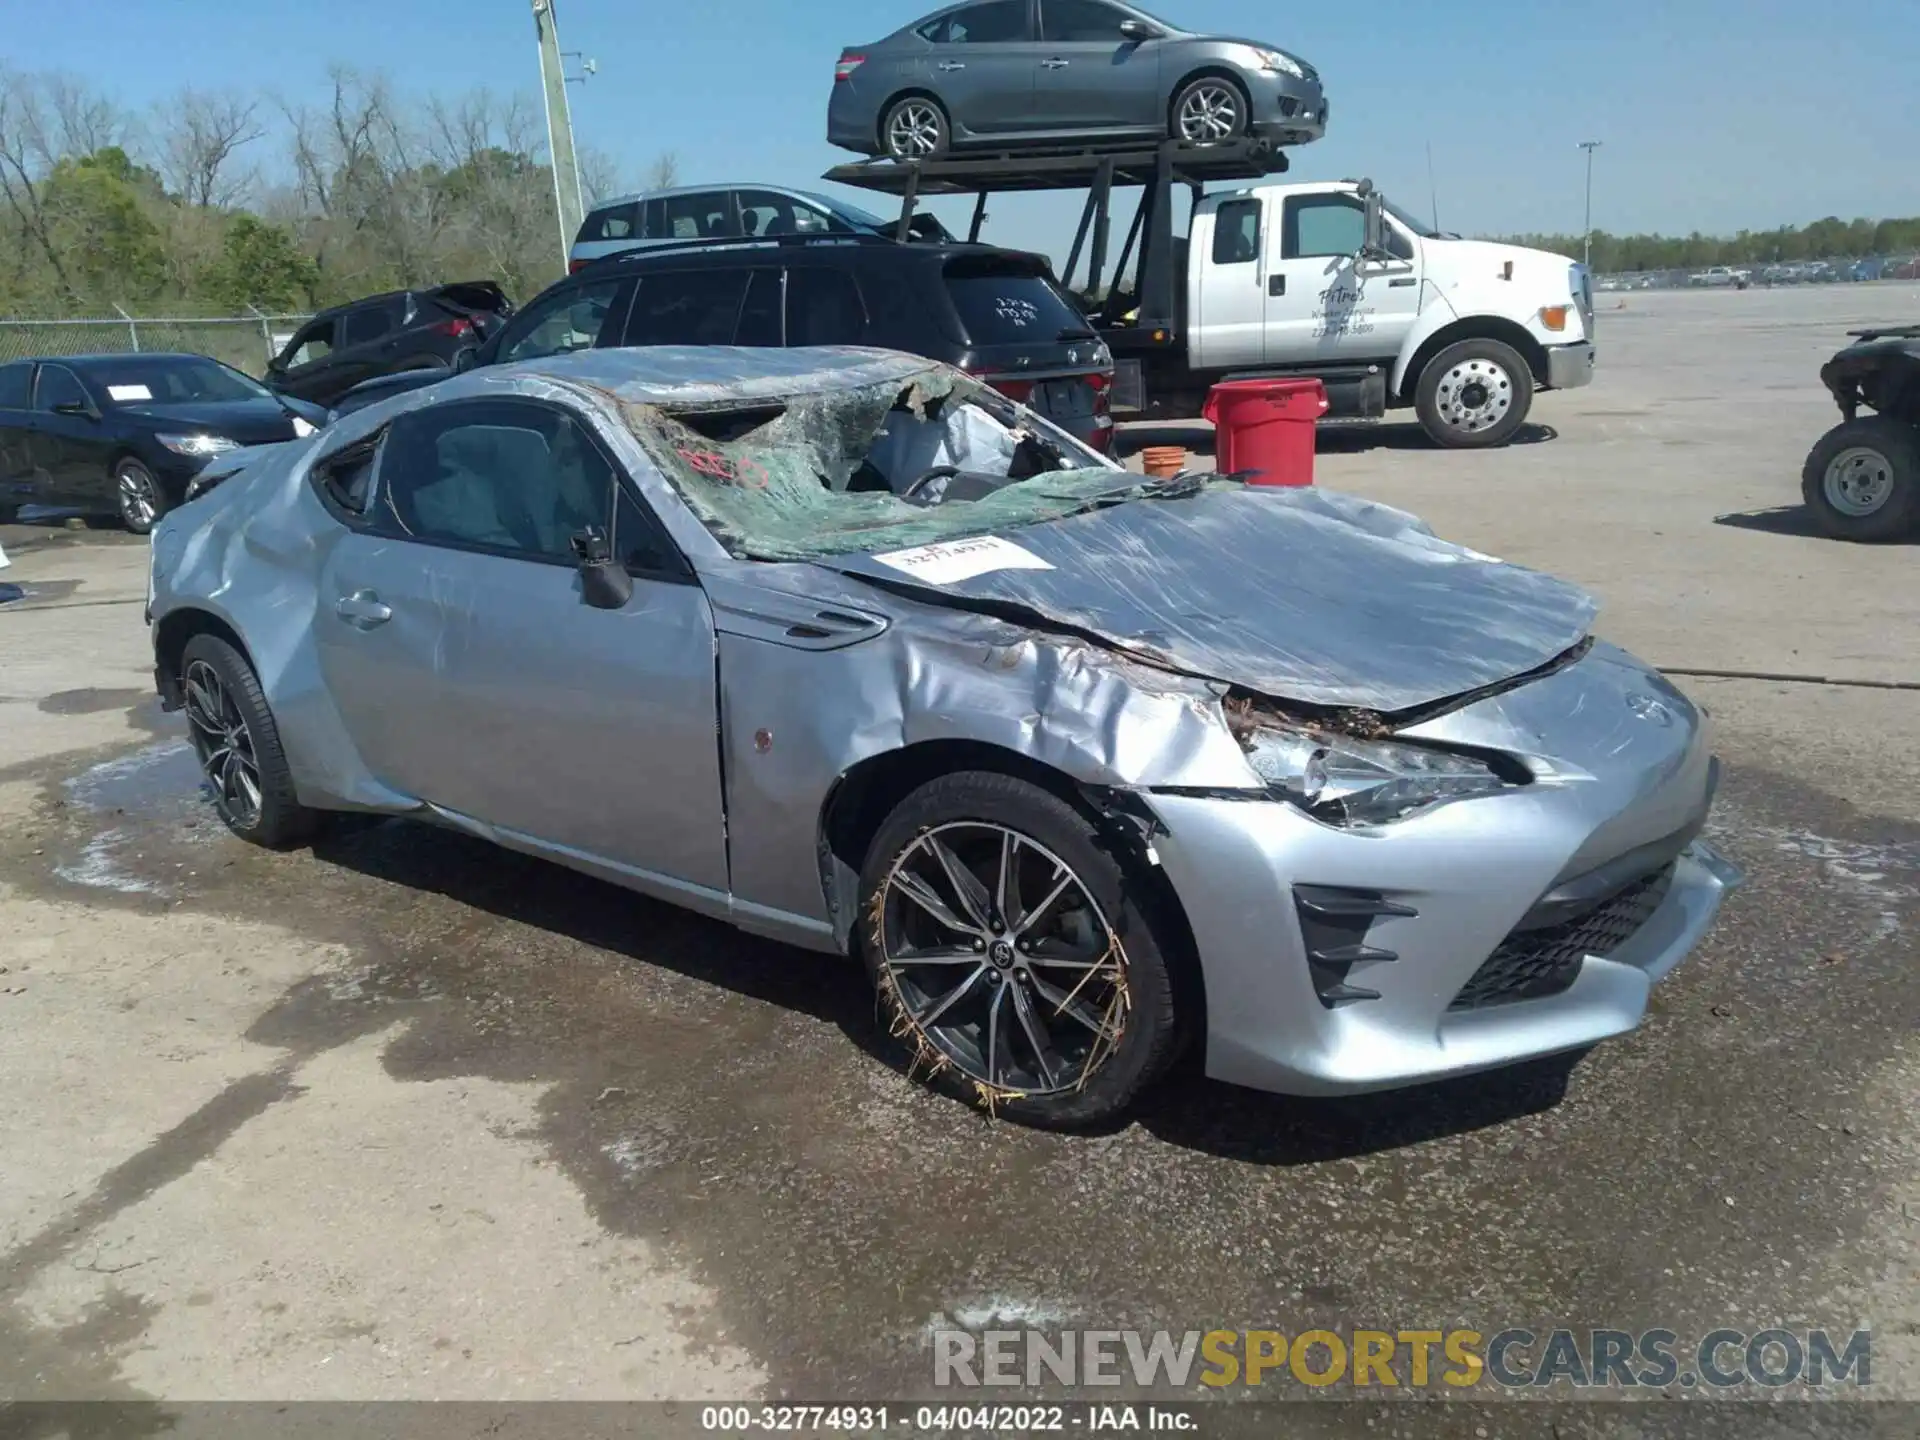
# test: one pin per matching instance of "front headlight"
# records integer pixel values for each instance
(200, 445)
(1284, 63)
(1340, 780)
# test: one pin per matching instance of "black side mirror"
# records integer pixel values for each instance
(1137, 31)
(604, 584)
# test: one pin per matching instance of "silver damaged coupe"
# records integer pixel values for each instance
(848, 650)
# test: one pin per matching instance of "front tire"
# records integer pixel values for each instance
(1862, 480)
(916, 127)
(1474, 395)
(1014, 966)
(142, 501)
(1208, 111)
(238, 745)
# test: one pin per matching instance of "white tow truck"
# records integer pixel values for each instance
(1284, 279)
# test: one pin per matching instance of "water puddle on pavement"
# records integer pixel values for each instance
(157, 790)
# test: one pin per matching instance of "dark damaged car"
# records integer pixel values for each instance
(1084, 767)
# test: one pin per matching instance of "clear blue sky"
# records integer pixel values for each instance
(1716, 114)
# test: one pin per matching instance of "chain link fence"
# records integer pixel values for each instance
(245, 342)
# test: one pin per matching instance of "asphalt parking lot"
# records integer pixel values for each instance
(406, 1117)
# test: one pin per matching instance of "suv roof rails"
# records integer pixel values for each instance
(736, 242)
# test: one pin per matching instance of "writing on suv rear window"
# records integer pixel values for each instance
(1012, 309)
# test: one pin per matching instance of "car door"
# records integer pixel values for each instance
(1230, 330)
(16, 435)
(70, 445)
(1324, 302)
(983, 66)
(472, 675)
(301, 370)
(1089, 76)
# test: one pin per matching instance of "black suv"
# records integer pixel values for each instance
(382, 334)
(997, 314)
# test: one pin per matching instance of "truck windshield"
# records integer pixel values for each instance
(1417, 226)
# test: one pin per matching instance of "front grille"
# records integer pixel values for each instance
(1532, 964)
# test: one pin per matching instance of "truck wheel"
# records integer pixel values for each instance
(1474, 395)
(1862, 480)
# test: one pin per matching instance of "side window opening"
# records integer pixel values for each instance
(687, 307)
(1236, 232)
(366, 325)
(639, 542)
(313, 343)
(520, 479)
(571, 320)
(346, 479)
(1322, 225)
(824, 307)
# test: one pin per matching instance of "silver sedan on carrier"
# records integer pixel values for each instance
(999, 72)
(848, 650)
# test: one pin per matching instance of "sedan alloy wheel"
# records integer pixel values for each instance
(1002, 960)
(1208, 111)
(139, 495)
(225, 746)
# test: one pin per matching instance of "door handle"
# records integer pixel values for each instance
(1056, 63)
(1276, 285)
(953, 64)
(362, 610)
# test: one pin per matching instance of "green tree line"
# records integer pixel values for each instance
(1828, 239)
(215, 201)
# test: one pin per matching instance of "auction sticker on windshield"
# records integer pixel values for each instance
(129, 392)
(950, 561)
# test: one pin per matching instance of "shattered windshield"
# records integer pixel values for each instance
(905, 462)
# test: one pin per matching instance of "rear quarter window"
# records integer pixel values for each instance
(1012, 309)
(616, 222)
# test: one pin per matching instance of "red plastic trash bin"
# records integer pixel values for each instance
(1267, 427)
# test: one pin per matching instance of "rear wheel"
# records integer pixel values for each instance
(1209, 110)
(1474, 395)
(1862, 480)
(1013, 965)
(142, 501)
(238, 746)
(916, 128)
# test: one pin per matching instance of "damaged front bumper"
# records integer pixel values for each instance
(1471, 935)
(1342, 963)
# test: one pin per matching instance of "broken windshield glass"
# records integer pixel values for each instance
(872, 467)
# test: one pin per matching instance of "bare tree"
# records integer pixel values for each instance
(664, 173)
(29, 147)
(200, 134)
(84, 121)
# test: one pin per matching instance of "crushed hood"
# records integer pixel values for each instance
(1304, 595)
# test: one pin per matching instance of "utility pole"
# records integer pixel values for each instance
(1587, 253)
(567, 203)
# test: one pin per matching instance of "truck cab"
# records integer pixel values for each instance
(1330, 279)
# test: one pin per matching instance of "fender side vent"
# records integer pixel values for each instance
(1333, 924)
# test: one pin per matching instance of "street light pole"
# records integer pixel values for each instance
(1587, 249)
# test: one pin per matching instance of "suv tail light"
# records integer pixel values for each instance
(454, 328)
(849, 62)
(573, 265)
